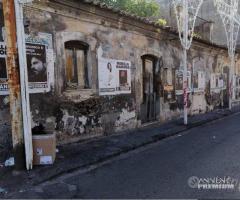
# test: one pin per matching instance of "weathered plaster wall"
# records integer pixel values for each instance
(83, 113)
(5, 128)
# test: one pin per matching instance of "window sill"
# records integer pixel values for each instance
(79, 95)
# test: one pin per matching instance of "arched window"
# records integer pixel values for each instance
(76, 65)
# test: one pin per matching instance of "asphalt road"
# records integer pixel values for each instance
(163, 170)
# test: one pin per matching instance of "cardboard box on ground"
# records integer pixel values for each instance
(44, 149)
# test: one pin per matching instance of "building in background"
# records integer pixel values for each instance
(208, 25)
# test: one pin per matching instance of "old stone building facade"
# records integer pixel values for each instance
(106, 71)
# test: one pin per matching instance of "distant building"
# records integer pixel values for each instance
(208, 25)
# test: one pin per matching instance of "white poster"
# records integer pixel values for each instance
(106, 76)
(40, 64)
(218, 81)
(123, 77)
(114, 76)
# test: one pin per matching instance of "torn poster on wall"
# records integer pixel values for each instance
(114, 76)
(40, 64)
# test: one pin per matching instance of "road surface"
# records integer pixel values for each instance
(163, 170)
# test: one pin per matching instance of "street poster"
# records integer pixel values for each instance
(218, 81)
(37, 66)
(199, 81)
(106, 76)
(179, 82)
(114, 76)
(123, 77)
(40, 64)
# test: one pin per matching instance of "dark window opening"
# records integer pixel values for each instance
(150, 95)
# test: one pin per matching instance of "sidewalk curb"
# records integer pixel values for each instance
(126, 149)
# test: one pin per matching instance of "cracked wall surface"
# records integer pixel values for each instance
(82, 113)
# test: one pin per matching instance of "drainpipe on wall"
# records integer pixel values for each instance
(24, 82)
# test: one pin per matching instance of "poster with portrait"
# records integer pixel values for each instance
(114, 77)
(123, 77)
(3, 70)
(179, 82)
(40, 62)
(106, 76)
(37, 66)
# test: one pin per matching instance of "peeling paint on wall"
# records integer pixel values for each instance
(126, 120)
(82, 113)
